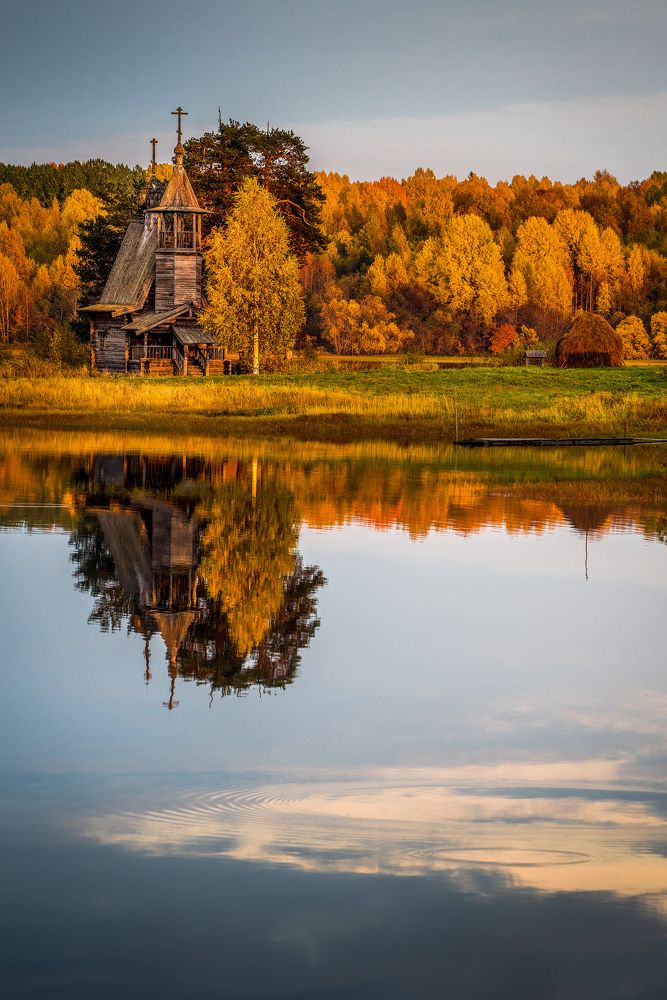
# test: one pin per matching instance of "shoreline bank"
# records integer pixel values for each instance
(400, 406)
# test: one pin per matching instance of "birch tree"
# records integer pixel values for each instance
(254, 293)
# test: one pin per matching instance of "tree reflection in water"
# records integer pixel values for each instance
(205, 558)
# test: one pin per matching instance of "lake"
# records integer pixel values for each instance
(283, 720)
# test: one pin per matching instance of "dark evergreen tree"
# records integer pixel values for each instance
(101, 237)
(218, 163)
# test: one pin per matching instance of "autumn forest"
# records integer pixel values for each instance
(428, 265)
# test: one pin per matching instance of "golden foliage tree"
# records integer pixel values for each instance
(387, 275)
(581, 239)
(363, 327)
(540, 268)
(249, 551)
(254, 293)
(636, 344)
(41, 243)
(659, 335)
(9, 295)
(465, 270)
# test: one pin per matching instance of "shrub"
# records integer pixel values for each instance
(59, 346)
(502, 337)
(513, 356)
(529, 336)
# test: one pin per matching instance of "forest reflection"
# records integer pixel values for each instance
(417, 489)
(204, 557)
(197, 541)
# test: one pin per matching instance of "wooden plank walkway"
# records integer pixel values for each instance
(489, 442)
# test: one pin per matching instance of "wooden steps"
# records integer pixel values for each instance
(160, 366)
(217, 367)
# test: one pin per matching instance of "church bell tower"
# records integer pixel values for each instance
(178, 259)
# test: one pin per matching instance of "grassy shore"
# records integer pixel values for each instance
(401, 405)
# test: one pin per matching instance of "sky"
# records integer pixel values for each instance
(375, 87)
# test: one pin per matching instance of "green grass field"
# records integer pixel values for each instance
(391, 403)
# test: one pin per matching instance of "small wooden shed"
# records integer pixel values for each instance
(536, 359)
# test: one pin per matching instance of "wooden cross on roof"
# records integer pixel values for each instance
(180, 112)
(153, 162)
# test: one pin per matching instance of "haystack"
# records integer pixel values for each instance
(586, 519)
(589, 342)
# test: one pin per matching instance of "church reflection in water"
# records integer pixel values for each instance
(204, 557)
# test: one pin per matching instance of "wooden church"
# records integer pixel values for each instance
(146, 319)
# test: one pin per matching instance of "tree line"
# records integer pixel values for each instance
(39, 283)
(58, 242)
(49, 181)
(449, 266)
(428, 264)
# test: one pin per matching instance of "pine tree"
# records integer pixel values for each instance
(254, 293)
(219, 162)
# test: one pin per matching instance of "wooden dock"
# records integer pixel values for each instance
(491, 442)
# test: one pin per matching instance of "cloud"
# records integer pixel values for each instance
(562, 139)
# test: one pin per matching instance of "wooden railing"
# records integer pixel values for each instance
(156, 352)
(176, 241)
(198, 358)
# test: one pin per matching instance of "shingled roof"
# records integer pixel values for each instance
(179, 195)
(133, 270)
(150, 319)
(191, 334)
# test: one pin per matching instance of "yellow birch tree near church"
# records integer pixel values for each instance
(255, 303)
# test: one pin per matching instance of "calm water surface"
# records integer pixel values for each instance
(302, 721)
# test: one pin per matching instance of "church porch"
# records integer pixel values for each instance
(177, 350)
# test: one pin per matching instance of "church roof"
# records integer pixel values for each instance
(133, 270)
(191, 333)
(173, 627)
(179, 195)
(150, 319)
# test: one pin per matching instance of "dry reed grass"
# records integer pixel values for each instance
(413, 405)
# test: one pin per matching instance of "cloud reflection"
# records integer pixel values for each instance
(587, 836)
